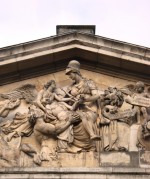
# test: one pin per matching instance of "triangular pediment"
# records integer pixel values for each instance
(75, 100)
(95, 53)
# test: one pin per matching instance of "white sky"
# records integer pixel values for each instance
(27, 20)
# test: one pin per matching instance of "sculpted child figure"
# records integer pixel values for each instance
(47, 95)
(57, 112)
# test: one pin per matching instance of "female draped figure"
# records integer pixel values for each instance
(85, 93)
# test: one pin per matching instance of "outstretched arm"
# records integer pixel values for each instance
(50, 129)
(62, 99)
(92, 98)
(39, 98)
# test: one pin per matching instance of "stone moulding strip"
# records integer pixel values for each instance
(58, 39)
(101, 170)
(126, 55)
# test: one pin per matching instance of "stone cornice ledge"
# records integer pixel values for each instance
(43, 56)
(77, 170)
(86, 39)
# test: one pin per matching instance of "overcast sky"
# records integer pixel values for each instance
(27, 20)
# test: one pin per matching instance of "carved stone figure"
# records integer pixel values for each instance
(20, 126)
(56, 112)
(140, 98)
(85, 92)
(47, 95)
(114, 120)
(46, 130)
(17, 127)
(72, 119)
(143, 137)
(12, 99)
(7, 105)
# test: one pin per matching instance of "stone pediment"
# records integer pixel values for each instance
(96, 53)
(56, 115)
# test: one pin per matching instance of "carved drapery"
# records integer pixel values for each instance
(71, 119)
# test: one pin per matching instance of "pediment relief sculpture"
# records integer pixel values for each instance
(71, 119)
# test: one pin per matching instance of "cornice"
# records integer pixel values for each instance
(120, 57)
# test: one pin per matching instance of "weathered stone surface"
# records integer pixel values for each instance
(145, 159)
(90, 29)
(127, 176)
(133, 138)
(84, 159)
(72, 160)
(115, 159)
(87, 173)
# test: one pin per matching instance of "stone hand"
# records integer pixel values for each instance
(74, 118)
